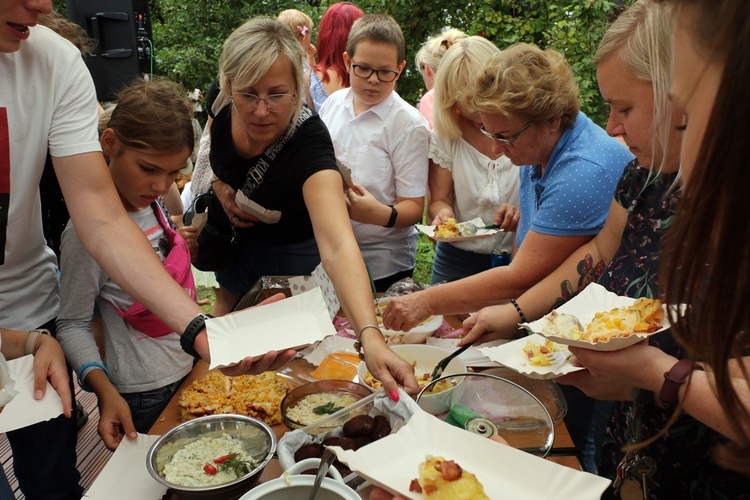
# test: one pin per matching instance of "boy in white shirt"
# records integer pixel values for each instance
(385, 141)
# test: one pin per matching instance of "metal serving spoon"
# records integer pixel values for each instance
(325, 464)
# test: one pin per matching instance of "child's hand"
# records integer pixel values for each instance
(190, 235)
(49, 363)
(114, 412)
(363, 207)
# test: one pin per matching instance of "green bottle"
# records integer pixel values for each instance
(460, 414)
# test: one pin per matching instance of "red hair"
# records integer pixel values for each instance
(332, 35)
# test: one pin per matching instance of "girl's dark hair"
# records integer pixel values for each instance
(708, 265)
(154, 114)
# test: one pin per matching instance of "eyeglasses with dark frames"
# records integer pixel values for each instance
(384, 75)
(275, 103)
(502, 140)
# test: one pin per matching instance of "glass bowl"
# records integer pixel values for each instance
(322, 392)
(487, 405)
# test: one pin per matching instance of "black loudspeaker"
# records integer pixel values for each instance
(124, 50)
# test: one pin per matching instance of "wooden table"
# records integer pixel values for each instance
(562, 452)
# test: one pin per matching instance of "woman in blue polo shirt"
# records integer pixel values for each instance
(527, 99)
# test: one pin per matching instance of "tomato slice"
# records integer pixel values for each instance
(209, 469)
(224, 458)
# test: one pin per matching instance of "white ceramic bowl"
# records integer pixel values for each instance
(417, 335)
(425, 358)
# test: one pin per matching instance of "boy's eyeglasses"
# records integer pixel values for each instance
(275, 103)
(502, 140)
(384, 75)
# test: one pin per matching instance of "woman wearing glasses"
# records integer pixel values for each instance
(527, 100)
(467, 178)
(277, 153)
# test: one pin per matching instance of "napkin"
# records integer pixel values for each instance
(126, 473)
(319, 278)
(7, 384)
(290, 323)
(24, 410)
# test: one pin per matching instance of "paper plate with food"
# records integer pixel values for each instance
(534, 356)
(601, 320)
(451, 230)
(461, 465)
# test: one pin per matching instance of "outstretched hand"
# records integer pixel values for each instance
(405, 312)
(390, 368)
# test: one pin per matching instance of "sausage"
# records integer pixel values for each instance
(382, 428)
(314, 450)
(343, 442)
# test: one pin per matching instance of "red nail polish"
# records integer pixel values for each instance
(394, 395)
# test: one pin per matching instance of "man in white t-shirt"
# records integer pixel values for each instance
(48, 103)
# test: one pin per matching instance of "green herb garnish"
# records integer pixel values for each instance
(327, 409)
(237, 465)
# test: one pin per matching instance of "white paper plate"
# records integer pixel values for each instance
(593, 299)
(505, 472)
(512, 356)
(481, 233)
(287, 324)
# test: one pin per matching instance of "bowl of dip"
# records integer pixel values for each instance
(311, 402)
(212, 457)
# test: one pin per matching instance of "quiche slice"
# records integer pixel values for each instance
(441, 479)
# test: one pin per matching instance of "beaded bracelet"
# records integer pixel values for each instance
(358, 342)
(520, 312)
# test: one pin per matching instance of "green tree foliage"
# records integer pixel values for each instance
(188, 34)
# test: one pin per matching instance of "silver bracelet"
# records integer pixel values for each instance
(358, 342)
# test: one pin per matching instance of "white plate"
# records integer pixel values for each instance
(593, 299)
(481, 233)
(505, 472)
(512, 356)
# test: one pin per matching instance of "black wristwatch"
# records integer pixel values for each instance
(394, 215)
(187, 339)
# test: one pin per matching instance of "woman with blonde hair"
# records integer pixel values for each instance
(527, 100)
(427, 61)
(268, 148)
(467, 178)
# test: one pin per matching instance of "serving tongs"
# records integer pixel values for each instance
(470, 229)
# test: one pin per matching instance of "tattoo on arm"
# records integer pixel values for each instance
(588, 272)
